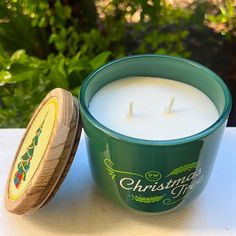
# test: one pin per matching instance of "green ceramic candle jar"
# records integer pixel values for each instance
(153, 176)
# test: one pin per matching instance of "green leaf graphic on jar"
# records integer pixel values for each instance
(143, 199)
(113, 172)
(183, 168)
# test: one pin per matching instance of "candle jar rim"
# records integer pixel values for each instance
(222, 118)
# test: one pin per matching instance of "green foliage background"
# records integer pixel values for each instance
(57, 43)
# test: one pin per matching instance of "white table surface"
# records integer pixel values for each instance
(80, 209)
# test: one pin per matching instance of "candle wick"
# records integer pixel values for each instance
(170, 107)
(130, 110)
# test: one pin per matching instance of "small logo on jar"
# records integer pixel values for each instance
(153, 176)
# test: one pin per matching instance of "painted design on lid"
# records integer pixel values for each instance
(25, 160)
(33, 149)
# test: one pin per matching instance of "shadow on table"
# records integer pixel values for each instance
(97, 214)
(80, 208)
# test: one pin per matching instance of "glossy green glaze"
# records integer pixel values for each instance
(153, 176)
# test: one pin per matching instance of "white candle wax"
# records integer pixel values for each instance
(149, 98)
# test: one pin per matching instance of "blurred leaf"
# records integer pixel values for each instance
(78, 65)
(21, 72)
(76, 91)
(99, 59)
(5, 77)
(57, 75)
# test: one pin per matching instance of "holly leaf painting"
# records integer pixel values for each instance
(147, 199)
(183, 168)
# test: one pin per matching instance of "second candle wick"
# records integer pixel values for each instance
(170, 107)
(130, 110)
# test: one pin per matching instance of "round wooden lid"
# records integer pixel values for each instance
(45, 153)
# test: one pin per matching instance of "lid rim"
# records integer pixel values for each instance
(76, 130)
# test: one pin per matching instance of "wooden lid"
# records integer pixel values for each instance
(45, 153)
